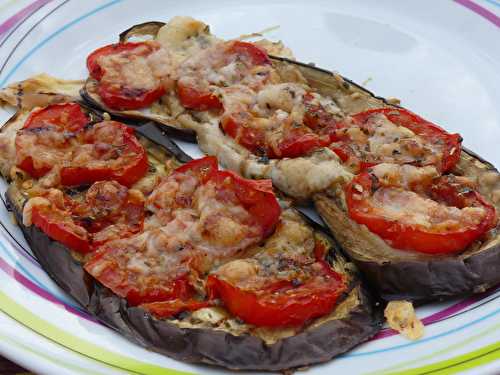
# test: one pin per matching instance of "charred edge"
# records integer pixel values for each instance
(151, 131)
(181, 134)
(358, 86)
(245, 352)
(146, 28)
(489, 165)
(425, 281)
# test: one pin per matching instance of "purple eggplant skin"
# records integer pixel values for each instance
(244, 352)
(147, 28)
(175, 132)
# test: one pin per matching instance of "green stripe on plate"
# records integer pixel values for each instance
(78, 345)
(58, 362)
(470, 339)
(460, 363)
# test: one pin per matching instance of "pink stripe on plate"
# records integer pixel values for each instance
(23, 13)
(28, 284)
(478, 9)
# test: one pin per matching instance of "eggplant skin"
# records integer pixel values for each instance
(214, 347)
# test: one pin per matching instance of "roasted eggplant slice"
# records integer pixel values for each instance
(401, 274)
(209, 335)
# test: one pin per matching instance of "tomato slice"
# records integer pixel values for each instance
(167, 309)
(256, 196)
(117, 88)
(295, 140)
(202, 168)
(110, 152)
(58, 225)
(379, 136)
(110, 211)
(120, 98)
(107, 266)
(48, 129)
(316, 117)
(435, 216)
(226, 64)
(196, 99)
(281, 302)
(95, 69)
(254, 53)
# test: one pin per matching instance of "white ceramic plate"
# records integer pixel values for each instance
(441, 58)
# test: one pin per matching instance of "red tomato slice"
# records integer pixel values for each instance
(93, 66)
(441, 144)
(114, 91)
(52, 127)
(256, 54)
(202, 168)
(294, 142)
(281, 303)
(193, 87)
(58, 225)
(318, 118)
(110, 211)
(447, 233)
(128, 99)
(167, 309)
(193, 98)
(106, 266)
(115, 154)
(256, 196)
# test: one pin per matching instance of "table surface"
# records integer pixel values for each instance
(12, 13)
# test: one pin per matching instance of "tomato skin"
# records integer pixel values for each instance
(257, 196)
(56, 229)
(128, 99)
(127, 176)
(318, 119)
(197, 100)
(116, 95)
(93, 66)
(203, 168)
(413, 238)
(421, 127)
(295, 143)
(280, 304)
(257, 55)
(67, 117)
(167, 309)
(27, 165)
(195, 94)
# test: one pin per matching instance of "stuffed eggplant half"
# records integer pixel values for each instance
(180, 257)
